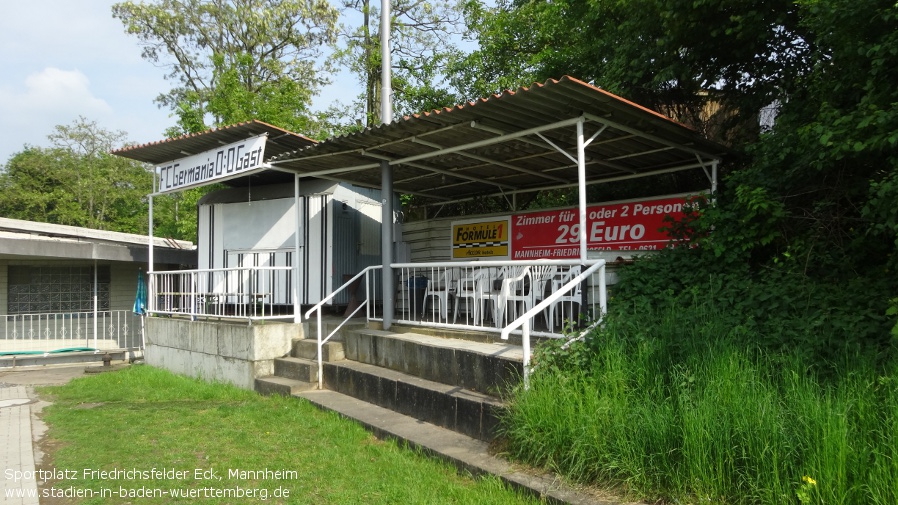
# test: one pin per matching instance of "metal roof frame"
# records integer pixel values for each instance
(516, 142)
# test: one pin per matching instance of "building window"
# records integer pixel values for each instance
(42, 290)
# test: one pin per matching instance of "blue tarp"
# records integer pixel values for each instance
(140, 301)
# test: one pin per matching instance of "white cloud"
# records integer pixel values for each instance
(79, 63)
(62, 59)
(55, 91)
(31, 108)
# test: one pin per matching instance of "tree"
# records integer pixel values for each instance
(811, 218)
(806, 219)
(282, 102)
(31, 189)
(234, 60)
(832, 156)
(674, 56)
(421, 49)
(77, 182)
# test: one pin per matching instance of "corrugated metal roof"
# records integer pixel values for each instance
(506, 143)
(503, 144)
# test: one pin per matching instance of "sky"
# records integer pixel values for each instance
(61, 59)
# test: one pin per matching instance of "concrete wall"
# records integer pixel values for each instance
(429, 240)
(235, 353)
(123, 285)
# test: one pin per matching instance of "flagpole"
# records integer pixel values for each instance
(386, 170)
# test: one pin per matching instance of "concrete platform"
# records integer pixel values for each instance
(437, 393)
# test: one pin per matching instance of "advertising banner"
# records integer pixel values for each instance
(629, 226)
(487, 238)
(211, 166)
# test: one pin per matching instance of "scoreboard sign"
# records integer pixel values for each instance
(629, 226)
(225, 162)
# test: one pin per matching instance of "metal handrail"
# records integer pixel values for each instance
(524, 319)
(317, 309)
(320, 305)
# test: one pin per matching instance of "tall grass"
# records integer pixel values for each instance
(668, 405)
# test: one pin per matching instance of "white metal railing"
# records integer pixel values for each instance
(525, 320)
(116, 329)
(491, 296)
(251, 293)
(540, 297)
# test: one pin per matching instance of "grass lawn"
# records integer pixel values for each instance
(156, 433)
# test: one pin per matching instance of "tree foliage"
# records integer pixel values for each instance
(237, 59)
(77, 182)
(811, 219)
(675, 56)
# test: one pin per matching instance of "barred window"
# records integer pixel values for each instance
(44, 289)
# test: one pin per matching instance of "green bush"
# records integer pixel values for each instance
(774, 308)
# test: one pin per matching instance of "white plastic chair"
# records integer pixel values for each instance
(472, 287)
(567, 301)
(525, 288)
(440, 288)
(540, 275)
(515, 287)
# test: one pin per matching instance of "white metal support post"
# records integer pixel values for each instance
(151, 288)
(96, 303)
(150, 228)
(580, 160)
(297, 315)
(581, 187)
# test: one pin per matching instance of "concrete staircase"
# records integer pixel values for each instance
(438, 392)
(448, 381)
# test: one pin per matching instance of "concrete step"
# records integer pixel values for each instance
(452, 407)
(487, 367)
(330, 324)
(454, 333)
(282, 386)
(466, 453)
(300, 369)
(308, 349)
